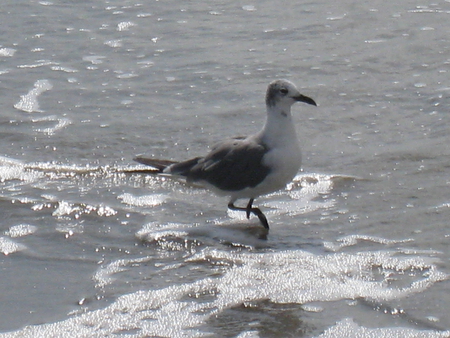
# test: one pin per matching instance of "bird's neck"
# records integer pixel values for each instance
(279, 129)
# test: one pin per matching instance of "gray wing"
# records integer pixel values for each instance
(232, 165)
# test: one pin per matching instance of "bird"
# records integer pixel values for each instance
(247, 167)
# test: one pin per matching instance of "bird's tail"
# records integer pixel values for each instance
(174, 168)
(159, 165)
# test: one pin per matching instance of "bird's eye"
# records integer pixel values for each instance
(283, 91)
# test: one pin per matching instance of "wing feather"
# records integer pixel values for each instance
(232, 165)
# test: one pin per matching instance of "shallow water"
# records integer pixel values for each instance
(359, 242)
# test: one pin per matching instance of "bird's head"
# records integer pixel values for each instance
(284, 93)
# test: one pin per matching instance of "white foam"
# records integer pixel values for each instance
(249, 334)
(64, 69)
(281, 277)
(61, 123)
(15, 170)
(114, 43)
(143, 201)
(9, 52)
(349, 329)
(7, 246)
(351, 240)
(65, 208)
(169, 236)
(124, 26)
(302, 277)
(29, 102)
(21, 230)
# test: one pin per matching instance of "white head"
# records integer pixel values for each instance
(283, 94)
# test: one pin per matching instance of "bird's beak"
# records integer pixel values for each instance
(306, 99)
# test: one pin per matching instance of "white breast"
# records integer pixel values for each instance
(285, 163)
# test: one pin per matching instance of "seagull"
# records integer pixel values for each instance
(251, 166)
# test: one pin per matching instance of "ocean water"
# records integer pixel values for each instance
(359, 241)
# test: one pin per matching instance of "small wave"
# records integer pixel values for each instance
(287, 277)
(143, 201)
(8, 246)
(64, 208)
(348, 328)
(354, 239)
(21, 230)
(29, 102)
(61, 122)
(9, 52)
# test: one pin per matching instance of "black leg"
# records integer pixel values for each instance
(250, 209)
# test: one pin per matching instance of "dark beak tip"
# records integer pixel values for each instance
(306, 99)
(310, 101)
